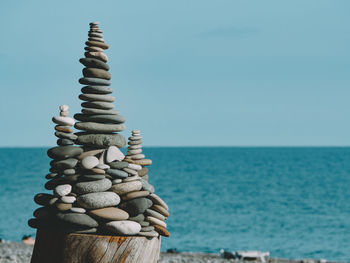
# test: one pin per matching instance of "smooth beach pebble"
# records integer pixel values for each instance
(90, 153)
(130, 171)
(93, 62)
(78, 219)
(99, 127)
(93, 111)
(63, 152)
(96, 97)
(161, 210)
(159, 201)
(100, 118)
(155, 221)
(43, 199)
(109, 213)
(143, 171)
(136, 206)
(133, 195)
(96, 72)
(64, 135)
(114, 154)
(103, 166)
(63, 206)
(89, 162)
(102, 140)
(115, 173)
(147, 228)
(77, 210)
(68, 199)
(161, 230)
(62, 190)
(139, 218)
(132, 178)
(66, 121)
(138, 156)
(92, 186)
(124, 227)
(117, 181)
(119, 165)
(96, 90)
(147, 186)
(136, 151)
(155, 214)
(98, 200)
(148, 234)
(127, 187)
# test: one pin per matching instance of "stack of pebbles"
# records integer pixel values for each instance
(137, 195)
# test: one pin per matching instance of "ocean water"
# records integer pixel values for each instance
(293, 202)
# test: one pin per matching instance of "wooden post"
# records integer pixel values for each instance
(56, 247)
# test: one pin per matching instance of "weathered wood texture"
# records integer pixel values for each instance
(55, 247)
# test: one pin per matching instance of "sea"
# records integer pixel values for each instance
(292, 202)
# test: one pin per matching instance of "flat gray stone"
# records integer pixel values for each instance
(102, 140)
(91, 111)
(63, 152)
(97, 90)
(69, 171)
(139, 218)
(64, 135)
(94, 63)
(119, 165)
(92, 177)
(99, 127)
(77, 219)
(89, 162)
(117, 174)
(148, 234)
(155, 214)
(97, 73)
(64, 164)
(118, 119)
(136, 206)
(92, 186)
(64, 142)
(98, 200)
(98, 105)
(94, 81)
(147, 186)
(97, 97)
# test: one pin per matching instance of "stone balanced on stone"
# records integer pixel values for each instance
(93, 179)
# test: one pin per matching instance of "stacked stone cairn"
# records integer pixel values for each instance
(96, 189)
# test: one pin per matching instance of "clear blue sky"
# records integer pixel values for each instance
(196, 73)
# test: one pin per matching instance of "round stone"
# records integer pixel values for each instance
(133, 147)
(155, 221)
(77, 219)
(135, 142)
(135, 138)
(93, 49)
(109, 213)
(161, 230)
(92, 186)
(62, 190)
(135, 206)
(64, 107)
(63, 152)
(69, 172)
(98, 105)
(68, 199)
(96, 72)
(144, 223)
(96, 44)
(98, 200)
(158, 201)
(119, 165)
(143, 171)
(97, 97)
(96, 39)
(117, 181)
(65, 121)
(79, 210)
(133, 195)
(114, 154)
(94, 81)
(93, 34)
(124, 227)
(89, 162)
(143, 162)
(124, 188)
(115, 173)
(100, 118)
(93, 62)
(97, 90)
(91, 111)
(102, 140)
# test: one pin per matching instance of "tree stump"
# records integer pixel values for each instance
(57, 247)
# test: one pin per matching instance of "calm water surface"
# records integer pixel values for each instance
(293, 202)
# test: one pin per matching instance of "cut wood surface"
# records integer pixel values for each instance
(56, 247)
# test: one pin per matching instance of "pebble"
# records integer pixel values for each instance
(64, 164)
(77, 210)
(96, 97)
(148, 234)
(66, 129)
(114, 154)
(147, 228)
(143, 171)
(89, 162)
(147, 186)
(143, 162)
(132, 178)
(116, 119)
(161, 210)
(155, 221)
(53, 201)
(139, 218)
(69, 171)
(133, 195)
(115, 173)
(102, 140)
(63, 206)
(93, 34)
(161, 230)
(155, 214)
(92, 186)
(131, 147)
(62, 190)
(98, 55)
(78, 219)
(43, 199)
(63, 152)
(117, 181)
(98, 200)
(98, 105)
(119, 165)
(93, 62)
(103, 166)
(99, 127)
(138, 142)
(97, 90)
(135, 138)
(91, 111)
(137, 156)
(65, 121)
(92, 177)
(158, 201)
(136, 206)
(96, 44)
(130, 171)
(96, 72)
(136, 151)
(64, 107)
(124, 188)
(94, 81)
(124, 227)
(90, 153)
(64, 135)
(68, 199)
(42, 213)
(144, 223)
(109, 213)
(64, 142)
(93, 49)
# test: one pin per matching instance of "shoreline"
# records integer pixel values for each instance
(21, 253)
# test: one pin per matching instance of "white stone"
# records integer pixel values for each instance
(64, 108)
(68, 199)
(135, 166)
(62, 190)
(103, 166)
(137, 156)
(135, 151)
(124, 227)
(135, 138)
(117, 181)
(79, 210)
(114, 154)
(132, 147)
(155, 221)
(65, 121)
(135, 131)
(64, 113)
(89, 162)
(102, 158)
